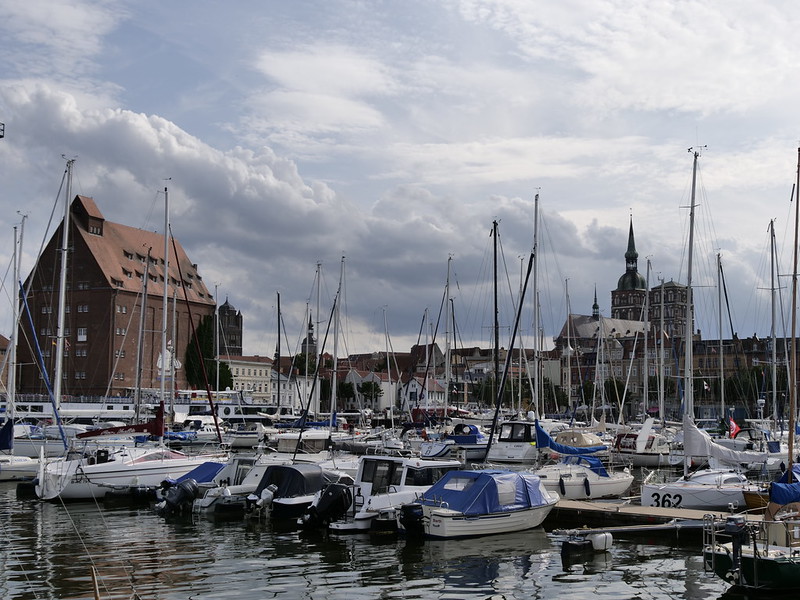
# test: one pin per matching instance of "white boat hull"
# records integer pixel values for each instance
(445, 523)
(77, 479)
(581, 484)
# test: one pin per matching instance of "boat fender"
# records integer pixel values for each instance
(587, 487)
(562, 487)
(601, 542)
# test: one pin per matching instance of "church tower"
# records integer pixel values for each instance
(628, 300)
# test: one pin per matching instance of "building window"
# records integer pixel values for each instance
(83, 285)
(80, 374)
(116, 282)
(84, 308)
(120, 331)
(82, 334)
(119, 354)
(80, 352)
(46, 310)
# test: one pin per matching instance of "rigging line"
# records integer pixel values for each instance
(124, 338)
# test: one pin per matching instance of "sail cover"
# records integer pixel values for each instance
(543, 440)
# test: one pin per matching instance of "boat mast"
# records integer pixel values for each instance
(496, 318)
(165, 302)
(535, 325)
(793, 370)
(62, 289)
(11, 381)
(661, 354)
(772, 333)
(447, 366)
(137, 391)
(646, 328)
(688, 371)
(719, 317)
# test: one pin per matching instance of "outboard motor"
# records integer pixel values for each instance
(411, 519)
(255, 504)
(736, 527)
(178, 497)
(331, 504)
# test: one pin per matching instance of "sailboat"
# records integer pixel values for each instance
(764, 556)
(12, 466)
(713, 488)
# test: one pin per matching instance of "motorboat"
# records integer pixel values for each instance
(474, 503)
(382, 484)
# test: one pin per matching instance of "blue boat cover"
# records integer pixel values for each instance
(202, 473)
(784, 493)
(795, 473)
(485, 492)
(543, 440)
(592, 462)
(7, 435)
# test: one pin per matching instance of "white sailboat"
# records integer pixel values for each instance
(713, 488)
(13, 466)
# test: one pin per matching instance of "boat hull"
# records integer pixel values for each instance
(442, 523)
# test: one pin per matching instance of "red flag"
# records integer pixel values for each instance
(734, 428)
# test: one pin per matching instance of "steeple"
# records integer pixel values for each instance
(595, 306)
(632, 279)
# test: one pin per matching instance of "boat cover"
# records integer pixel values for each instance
(795, 474)
(485, 492)
(784, 493)
(591, 462)
(202, 473)
(7, 435)
(543, 440)
(297, 480)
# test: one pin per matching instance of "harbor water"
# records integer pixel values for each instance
(48, 551)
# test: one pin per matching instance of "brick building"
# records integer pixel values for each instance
(107, 267)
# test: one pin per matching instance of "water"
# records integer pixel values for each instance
(48, 551)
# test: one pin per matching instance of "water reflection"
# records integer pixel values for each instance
(49, 550)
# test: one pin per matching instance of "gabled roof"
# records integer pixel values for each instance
(120, 250)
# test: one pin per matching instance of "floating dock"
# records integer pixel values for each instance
(623, 517)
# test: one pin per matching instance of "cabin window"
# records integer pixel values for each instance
(459, 484)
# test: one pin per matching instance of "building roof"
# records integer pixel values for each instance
(120, 252)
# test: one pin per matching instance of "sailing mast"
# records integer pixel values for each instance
(688, 371)
(62, 290)
(165, 305)
(793, 370)
(538, 407)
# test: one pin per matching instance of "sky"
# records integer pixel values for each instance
(375, 143)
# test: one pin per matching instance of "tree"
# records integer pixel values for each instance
(193, 362)
(371, 391)
(305, 364)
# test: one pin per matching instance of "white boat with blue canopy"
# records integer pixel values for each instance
(579, 475)
(475, 503)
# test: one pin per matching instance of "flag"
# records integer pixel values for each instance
(706, 386)
(734, 428)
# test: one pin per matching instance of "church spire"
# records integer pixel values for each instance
(595, 306)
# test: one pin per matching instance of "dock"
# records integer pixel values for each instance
(624, 518)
